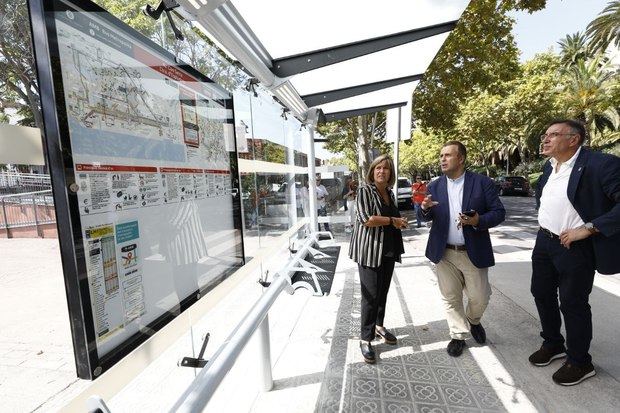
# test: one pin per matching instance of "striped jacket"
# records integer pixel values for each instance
(366, 246)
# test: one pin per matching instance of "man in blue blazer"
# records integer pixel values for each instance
(579, 215)
(463, 206)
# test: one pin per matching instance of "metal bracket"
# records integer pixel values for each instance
(198, 362)
(164, 6)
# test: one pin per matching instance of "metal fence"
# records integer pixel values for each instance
(30, 209)
(17, 182)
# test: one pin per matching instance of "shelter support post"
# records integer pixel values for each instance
(264, 355)
(312, 183)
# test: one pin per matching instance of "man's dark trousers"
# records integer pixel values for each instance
(571, 271)
(375, 283)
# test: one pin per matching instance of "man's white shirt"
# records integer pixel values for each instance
(455, 199)
(556, 213)
(321, 194)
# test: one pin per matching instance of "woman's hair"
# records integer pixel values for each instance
(370, 176)
(353, 184)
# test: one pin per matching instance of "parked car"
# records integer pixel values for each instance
(403, 193)
(512, 185)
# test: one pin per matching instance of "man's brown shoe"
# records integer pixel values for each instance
(546, 355)
(571, 374)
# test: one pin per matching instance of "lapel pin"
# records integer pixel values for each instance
(579, 170)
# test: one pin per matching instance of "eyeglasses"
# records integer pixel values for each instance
(553, 135)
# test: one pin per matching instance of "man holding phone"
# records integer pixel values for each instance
(463, 206)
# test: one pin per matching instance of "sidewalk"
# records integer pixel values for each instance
(418, 375)
(317, 365)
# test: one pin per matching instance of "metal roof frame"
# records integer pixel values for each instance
(319, 98)
(330, 117)
(224, 24)
(292, 65)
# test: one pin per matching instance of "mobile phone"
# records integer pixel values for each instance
(470, 213)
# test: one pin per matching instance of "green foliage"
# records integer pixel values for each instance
(574, 48)
(354, 137)
(528, 168)
(479, 55)
(18, 82)
(420, 154)
(488, 170)
(605, 28)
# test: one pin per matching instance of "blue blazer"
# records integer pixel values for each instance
(480, 194)
(594, 191)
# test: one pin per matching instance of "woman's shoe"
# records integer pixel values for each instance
(368, 352)
(388, 338)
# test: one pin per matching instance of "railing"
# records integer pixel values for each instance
(30, 209)
(15, 182)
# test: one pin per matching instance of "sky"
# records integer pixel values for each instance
(539, 31)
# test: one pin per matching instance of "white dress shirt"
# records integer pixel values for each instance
(455, 199)
(321, 194)
(556, 213)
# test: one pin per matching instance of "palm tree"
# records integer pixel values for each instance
(605, 28)
(588, 96)
(573, 48)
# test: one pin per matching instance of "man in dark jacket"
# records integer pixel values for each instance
(463, 206)
(579, 215)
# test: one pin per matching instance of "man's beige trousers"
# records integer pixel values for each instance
(455, 274)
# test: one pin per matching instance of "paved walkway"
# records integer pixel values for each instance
(317, 363)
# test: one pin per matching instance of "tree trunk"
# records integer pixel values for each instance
(363, 160)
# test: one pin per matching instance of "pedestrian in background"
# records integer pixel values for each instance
(350, 198)
(579, 215)
(418, 192)
(463, 206)
(376, 245)
(321, 201)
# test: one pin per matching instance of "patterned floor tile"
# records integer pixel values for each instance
(328, 405)
(364, 370)
(398, 407)
(415, 358)
(429, 408)
(419, 373)
(449, 375)
(475, 377)
(395, 390)
(361, 405)
(426, 393)
(458, 396)
(391, 371)
(453, 409)
(365, 387)
(440, 358)
(487, 398)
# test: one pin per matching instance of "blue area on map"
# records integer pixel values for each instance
(87, 141)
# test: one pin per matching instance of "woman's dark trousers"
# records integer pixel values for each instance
(375, 283)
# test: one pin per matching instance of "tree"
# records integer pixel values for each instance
(590, 95)
(353, 137)
(495, 126)
(479, 55)
(574, 48)
(19, 90)
(420, 154)
(605, 29)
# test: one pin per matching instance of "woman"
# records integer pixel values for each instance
(350, 197)
(376, 245)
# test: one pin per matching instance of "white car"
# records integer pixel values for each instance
(404, 193)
